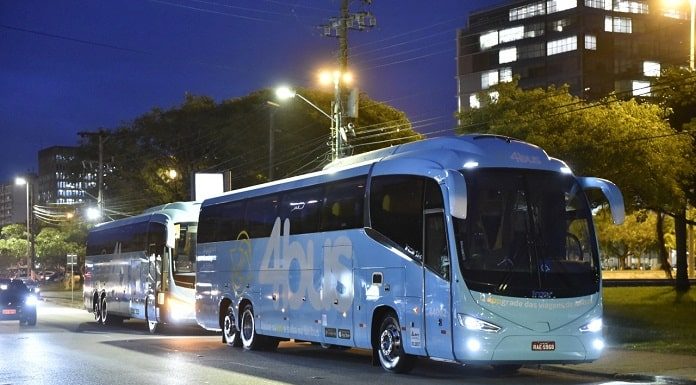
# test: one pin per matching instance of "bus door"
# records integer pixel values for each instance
(154, 285)
(436, 270)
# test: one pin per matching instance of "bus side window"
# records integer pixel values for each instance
(396, 210)
(436, 254)
(343, 205)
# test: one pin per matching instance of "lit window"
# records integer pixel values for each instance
(511, 34)
(591, 42)
(631, 7)
(641, 88)
(489, 78)
(560, 5)
(601, 4)
(474, 101)
(527, 11)
(562, 45)
(618, 24)
(559, 25)
(507, 55)
(488, 39)
(651, 68)
(505, 75)
(494, 95)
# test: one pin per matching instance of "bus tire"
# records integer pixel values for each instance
(152, 325)
(230, 332)
(96, 309)
(390, 348)
(104, 312)
(250, 339)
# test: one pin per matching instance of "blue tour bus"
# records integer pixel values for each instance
(143, 267)
(476, 249)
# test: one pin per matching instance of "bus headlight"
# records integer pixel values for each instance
(178, 310)
(473, 345)
(593, 326)
(31, 300)
(476, 324)
(598, 344)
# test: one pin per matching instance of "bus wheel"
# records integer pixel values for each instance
(250, 340)
(390, 349)
(152, 325)
(229, 329)
(96, 309)
(104, 312)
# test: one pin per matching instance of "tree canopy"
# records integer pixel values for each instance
(232, 136)
(627, 142)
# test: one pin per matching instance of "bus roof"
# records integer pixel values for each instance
(453, 153)
(176, 211)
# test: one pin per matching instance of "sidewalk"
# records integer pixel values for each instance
(630, 365)
(616, 364)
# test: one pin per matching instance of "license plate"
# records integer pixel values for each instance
(9, 311)
(543, 346)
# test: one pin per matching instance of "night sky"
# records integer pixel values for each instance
(80, 65)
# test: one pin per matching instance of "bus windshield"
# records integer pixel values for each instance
(184, 260)
(527, 234)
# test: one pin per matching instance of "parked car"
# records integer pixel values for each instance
(46, 275)
(17, 302)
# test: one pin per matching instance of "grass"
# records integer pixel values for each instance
(651, 318)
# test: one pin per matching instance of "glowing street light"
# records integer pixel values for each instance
(285, 92)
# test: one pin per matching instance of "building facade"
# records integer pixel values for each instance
(13, 204)
(595, 46)
(62, 177)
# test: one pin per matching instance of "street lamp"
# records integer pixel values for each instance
(19, 181)
(283, 93)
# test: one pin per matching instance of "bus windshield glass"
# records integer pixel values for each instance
(184, 260)
(527, 234)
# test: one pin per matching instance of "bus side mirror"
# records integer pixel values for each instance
(611, 192)
(457, 194)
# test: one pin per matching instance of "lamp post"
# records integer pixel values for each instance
(692, 3)
(19, 181)
(337, 79)
(271, 136)
(283, 93)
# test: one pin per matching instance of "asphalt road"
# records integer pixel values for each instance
(68, 347)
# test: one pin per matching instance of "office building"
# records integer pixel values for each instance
(595, 46)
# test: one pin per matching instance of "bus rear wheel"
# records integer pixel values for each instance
(229, 329)
(251, 340)
(390, 346)
(96, 309)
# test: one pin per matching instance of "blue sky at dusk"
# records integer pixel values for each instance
(80, 65)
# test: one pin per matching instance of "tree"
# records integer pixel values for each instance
(675, 93)
(606, 139)
(233, 136)
(53, 245)
(13, 245)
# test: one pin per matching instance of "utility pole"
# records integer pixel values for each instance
(338, 27)
(102, 137)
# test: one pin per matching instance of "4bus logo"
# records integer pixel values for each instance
(298, 276)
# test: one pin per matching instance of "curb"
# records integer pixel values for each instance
(628, 377)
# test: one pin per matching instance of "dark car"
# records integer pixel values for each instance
(17, 302)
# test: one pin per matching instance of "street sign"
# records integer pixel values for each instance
(72, 259)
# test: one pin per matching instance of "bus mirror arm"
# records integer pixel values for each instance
(457, 194)
(611, 193)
